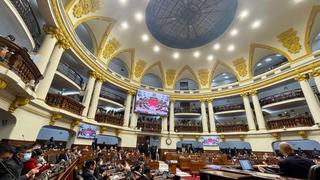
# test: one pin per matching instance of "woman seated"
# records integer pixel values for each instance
(36, 161)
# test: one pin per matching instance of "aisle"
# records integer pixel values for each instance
(185, 175)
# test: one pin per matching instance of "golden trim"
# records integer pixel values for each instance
(132, 59)
(69, 5)
(18, 102)
(186, 68)
(312, 16)
(88, 18)
(215, 66)
(3, 84)
(302, 77)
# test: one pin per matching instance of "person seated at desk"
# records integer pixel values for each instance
(88, 170)
(293, 165)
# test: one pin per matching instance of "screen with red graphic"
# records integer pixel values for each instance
(210, 140)
(87, 131)
(152, 103)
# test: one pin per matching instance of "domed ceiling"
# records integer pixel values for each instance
(186, 24)
(193, 35)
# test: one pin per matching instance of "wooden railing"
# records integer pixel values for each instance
(232, 128)
(113, 97)
(281, 97)
(71, 74)
(19, 61)
(290, 123)
(149, 126)
(230, 107)
(188, 128)
(64, 102)
(109, 119)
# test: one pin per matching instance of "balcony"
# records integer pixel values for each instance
(188, 128)
(112, 96)
(290, 123)
(230, 107)
(64, 102)
(296, 93)
(187, 110)
(19, 61)
(71, 74)
(149, 126)
(109, 119)
(232, 128)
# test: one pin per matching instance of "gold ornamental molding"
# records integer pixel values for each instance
(240, 66)
(290, 40)
(302, 77)
(210, 100)
(3, 84)
(57, 33)
(132, 93)
(223, 138)
(303, 134)
(242, 136)
(18, 102)
(93, 74)
(315, 73)
(112, 46)
(84, 7)
(74, 123)
(54, 118)
(203, 76)
(170, 74)
(276, 135)
(139, 68)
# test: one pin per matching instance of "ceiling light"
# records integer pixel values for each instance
(259, 64)
(234, 32)
(210, 58)
(256, 24)
(278, 55)
(196, 54)
(123, 2)
(244, 14)
(124, 25)
(268, 59)
(145, 38)
(176, 55)
(297, 1)
(224, 74)
(156, 48)
(138, 16)
(226, 77)
(216, 46)
(230, 47)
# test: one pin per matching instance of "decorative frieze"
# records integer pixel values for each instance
(290, 40)
(170, 75)
(112, 46)
(139, 68)
(240, 66)
(84, 7)
(203, 76)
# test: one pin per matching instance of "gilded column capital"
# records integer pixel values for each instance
(244, 94)
(3, 84)
(92, 74)
(209, 100)
(315, 73)
(54, 118)
(18, 102)
(203, 100)
(131, 92)
(172, 100)
(253, 92)
(100, 78)
(56, 32)
(302, 77)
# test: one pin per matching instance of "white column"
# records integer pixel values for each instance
(88, 92)
(258, 111)
(312, 102)
(45, 83)
(95, 99)
(127, 109)
(211, 117)
(45, 52)
(249, 113)
(316, 75)
(204, 116)
(134, 116)
(171, 118)
(164, 128)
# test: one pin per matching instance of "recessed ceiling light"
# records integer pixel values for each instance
(124, 25)
(156, 48)
(297, 1)
(233, 32)
(244, 14)
(259, 64)
(256, 24)
(230, 47)
(196, 54)
(226, 77)
(138, 16)
(210, 57)
(176, 55)
(123, 2)
(145, 38)
(278, 55)
(216, 46)
(268, 59)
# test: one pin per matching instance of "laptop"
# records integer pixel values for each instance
(246, 165)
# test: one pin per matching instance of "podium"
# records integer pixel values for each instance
(172, 166)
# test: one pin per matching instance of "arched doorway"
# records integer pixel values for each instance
(189, 146)
(107, 141)
(234, 147)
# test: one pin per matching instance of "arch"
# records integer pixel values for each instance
(108, 139)
(119, 62)
(253, 48)
(85, 19)
(194, 144)
(128, 60)
(310, 24)
(229, 69)
(65, 138)
(152, 79)
(91, 35)
(188, 69)
(147, 71)
(268, 62)
(233, 144)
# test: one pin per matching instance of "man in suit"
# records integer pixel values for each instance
(292, 165)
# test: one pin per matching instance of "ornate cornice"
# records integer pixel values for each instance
(84, 7)
(18, 102)
(290, 40)
(93, 74)
(315, 73)
(302, 77)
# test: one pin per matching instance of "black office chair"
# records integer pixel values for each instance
(314, 172)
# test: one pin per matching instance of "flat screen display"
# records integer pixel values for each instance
(152, 103)
(210, 140)
(87, 131)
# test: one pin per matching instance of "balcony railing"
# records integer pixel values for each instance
(109, 119)
(148, 126)
(290, 123)
(232, 128)
(188, 128)
(71, 74)
(281, 97)
(230, 107)
(112, 96)
(64, 102)
(187, 110)
(29, 18)
(19, 61)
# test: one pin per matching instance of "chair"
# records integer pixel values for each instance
(314, 172)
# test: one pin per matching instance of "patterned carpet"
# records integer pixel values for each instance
(184, 175)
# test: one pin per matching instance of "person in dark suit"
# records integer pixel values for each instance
(292, 165)
(88, 170)
(65, 156)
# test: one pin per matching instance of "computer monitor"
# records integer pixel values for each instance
(246, 165)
